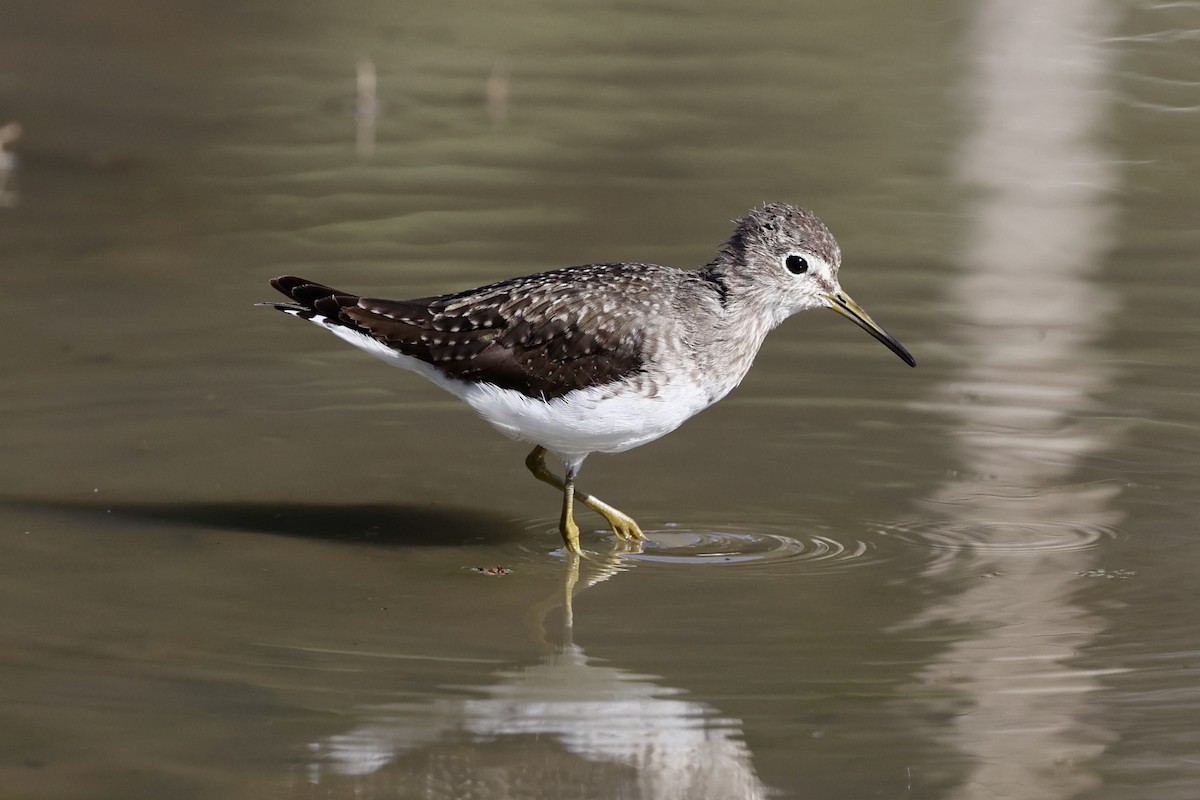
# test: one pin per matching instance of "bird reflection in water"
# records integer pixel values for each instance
(564, 726)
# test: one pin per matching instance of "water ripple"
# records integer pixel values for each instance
(793, 544)
(997, 537)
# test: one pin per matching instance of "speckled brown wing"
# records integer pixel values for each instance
(543, 335)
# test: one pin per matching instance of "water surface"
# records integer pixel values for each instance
(242, 560)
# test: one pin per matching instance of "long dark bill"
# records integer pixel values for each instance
(843, 304)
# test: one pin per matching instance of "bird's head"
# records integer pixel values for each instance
(782, 259)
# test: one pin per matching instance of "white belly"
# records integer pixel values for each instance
(587, 420)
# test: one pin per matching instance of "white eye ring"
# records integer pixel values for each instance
(796, 264)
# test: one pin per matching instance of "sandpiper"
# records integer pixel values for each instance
(601, 357)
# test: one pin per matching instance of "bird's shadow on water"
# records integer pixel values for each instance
(380, 524)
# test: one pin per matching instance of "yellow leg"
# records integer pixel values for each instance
(566, 524)
(623, 525)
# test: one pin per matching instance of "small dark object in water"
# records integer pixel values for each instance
(496, 571)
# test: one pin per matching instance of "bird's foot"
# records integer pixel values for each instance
(626, 530)
(623, 526)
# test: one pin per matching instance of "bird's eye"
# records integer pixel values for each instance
(796, 265)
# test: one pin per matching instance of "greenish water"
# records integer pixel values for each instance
(239, 559)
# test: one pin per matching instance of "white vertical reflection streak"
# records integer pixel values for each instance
(1040, 228)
